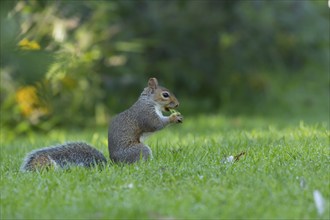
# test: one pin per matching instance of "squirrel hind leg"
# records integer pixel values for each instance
(132, 154)
(38, 162)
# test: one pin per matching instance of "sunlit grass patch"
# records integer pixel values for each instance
(285, 162)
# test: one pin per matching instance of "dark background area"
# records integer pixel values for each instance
(77, 63)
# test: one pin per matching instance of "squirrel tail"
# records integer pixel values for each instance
(63, 156)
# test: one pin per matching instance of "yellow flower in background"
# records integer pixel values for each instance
(25, 44)
(29, 103)
(26, 98)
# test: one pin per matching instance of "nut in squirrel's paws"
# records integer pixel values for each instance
(176, 116)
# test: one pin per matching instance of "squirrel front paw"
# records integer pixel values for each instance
(176, 118)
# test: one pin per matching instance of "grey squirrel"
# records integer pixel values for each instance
(126, 133)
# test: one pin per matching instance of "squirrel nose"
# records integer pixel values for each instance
(174, 104)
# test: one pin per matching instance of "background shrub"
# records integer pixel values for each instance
(86, 60)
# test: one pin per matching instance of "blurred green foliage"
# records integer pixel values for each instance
(87, 60)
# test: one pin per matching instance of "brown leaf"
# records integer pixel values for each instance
(238, 156)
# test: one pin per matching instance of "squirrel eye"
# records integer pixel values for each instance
(165, 94)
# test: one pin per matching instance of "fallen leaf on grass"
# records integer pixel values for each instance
(238, 156)
(232, 159)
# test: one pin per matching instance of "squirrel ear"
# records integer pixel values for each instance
(153, 83)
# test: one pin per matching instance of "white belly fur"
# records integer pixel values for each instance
(144, 136)
(158, 110)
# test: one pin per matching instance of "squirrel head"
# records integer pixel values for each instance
(160, 95)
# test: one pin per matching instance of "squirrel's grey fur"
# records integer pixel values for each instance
(62, 156)
(125, 144)
(125, 136)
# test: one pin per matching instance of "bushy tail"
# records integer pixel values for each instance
(63, 156)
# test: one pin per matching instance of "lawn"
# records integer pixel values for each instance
(285, 161)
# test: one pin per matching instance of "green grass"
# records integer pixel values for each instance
(285, 161)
